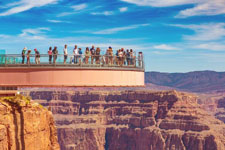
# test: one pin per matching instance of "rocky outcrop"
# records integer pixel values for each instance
(134, 120)
(26, 125)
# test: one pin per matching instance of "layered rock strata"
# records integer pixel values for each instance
(26, 125)
(132, 120)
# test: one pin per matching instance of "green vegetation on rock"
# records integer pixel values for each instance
(18, 100)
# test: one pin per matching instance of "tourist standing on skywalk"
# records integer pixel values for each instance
(23, 54)
(55, 53)
(65, 53)
(28, 56)
(50, 55)
(92, 52)
(80, 55)
(76, 54)
(37, 56)
(87, 55)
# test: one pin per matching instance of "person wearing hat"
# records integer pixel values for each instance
(37, 56)
(23, 54)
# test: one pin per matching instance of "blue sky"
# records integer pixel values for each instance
(175, 35)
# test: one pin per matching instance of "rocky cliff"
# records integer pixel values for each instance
(132, 120)
(26, 125)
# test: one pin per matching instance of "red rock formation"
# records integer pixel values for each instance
(25, 125)
(132, 120)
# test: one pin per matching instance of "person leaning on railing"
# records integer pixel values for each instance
(55, 53)
(37, 56)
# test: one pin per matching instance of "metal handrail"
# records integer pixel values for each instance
(110, 61)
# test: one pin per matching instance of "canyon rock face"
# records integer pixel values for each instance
(131, 120)
(26, 125)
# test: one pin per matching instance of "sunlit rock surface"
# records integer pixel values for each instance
(132, 120)
(26, 125)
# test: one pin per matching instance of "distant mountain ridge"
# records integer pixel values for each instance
(197, 81)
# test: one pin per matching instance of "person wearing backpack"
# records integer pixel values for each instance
(23, 54)
(37, 56)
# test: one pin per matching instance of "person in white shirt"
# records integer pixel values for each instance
(65, 53)
(76, 54)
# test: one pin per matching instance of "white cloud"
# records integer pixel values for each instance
(208, 8)
(105, 13)
(76, 10)
(211, 46)
(66, 14)
(205, 32)
(37, 33)
(24, 5)
(123, 9)
(79, 7)
(165, 47)
(58, 21)
(115, 30)
(54, 21)
(201, 7)
(160, 3)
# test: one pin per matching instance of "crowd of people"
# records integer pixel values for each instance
(121, 57)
